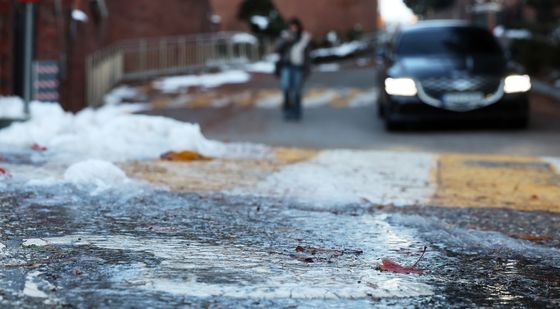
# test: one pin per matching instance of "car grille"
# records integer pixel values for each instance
(437, 87)
(460, 94)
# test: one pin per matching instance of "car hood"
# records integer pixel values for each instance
(448, 66)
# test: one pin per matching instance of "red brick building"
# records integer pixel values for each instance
(319, 16)
(6, 46)
(66, 41)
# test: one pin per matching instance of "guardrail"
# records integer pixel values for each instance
(148, 58)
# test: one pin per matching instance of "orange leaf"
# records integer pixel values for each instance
(183, 156)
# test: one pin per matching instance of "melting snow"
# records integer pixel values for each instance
(340, 177)
(110, 133)
(31, 288)
(177, 83)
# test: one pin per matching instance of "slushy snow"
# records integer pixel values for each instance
(340, 177)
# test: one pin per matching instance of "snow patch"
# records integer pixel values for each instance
(101, 174)
(12, 108)
(261, 67)
(120, 94)
(31, 288)
(340, 177)
(39, 242)
(244, 38)
(79, 15)
(329, 67)
(177, 83)
(260, 21)
(110, 133)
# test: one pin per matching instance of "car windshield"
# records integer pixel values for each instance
(450, 40)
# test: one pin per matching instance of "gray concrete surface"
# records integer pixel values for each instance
(360, 128)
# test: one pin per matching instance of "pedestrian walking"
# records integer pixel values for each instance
(293, 66)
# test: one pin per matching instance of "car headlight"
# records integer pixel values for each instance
(401, 86)
(517, 84)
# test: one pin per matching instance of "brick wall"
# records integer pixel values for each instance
(323, 16)
(227, 10)
(5, 46)
(319, 16)
(69, 42)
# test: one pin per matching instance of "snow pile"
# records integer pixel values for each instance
(97, 173)
(177, 83)
(11, 108)
(341, 51)
(110, 133)
(341, 177)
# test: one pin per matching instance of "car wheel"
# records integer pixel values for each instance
(391, 124)
(380, 110)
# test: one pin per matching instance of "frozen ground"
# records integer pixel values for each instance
(137, 246)
(311, 230)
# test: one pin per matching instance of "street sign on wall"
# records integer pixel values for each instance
(45, 81)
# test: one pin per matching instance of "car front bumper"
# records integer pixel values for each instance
(511, 107)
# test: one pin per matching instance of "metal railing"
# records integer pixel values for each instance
(149, 58)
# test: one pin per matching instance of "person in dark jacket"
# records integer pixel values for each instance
(293, 66)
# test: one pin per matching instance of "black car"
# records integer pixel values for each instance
(450, 71)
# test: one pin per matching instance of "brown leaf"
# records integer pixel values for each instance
(388, 265)
(183, 156)
(37, 147)
(534, 237)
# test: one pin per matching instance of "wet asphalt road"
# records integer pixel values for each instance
(63, 247)
(360, 128)
(144, 248)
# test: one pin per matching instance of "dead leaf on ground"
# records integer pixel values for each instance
(3, 171)
(37, 147)
(184, 156)
(388, 265)
(530, 237)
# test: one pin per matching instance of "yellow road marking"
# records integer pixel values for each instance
(485, 181)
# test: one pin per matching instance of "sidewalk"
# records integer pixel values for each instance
(383, 178)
